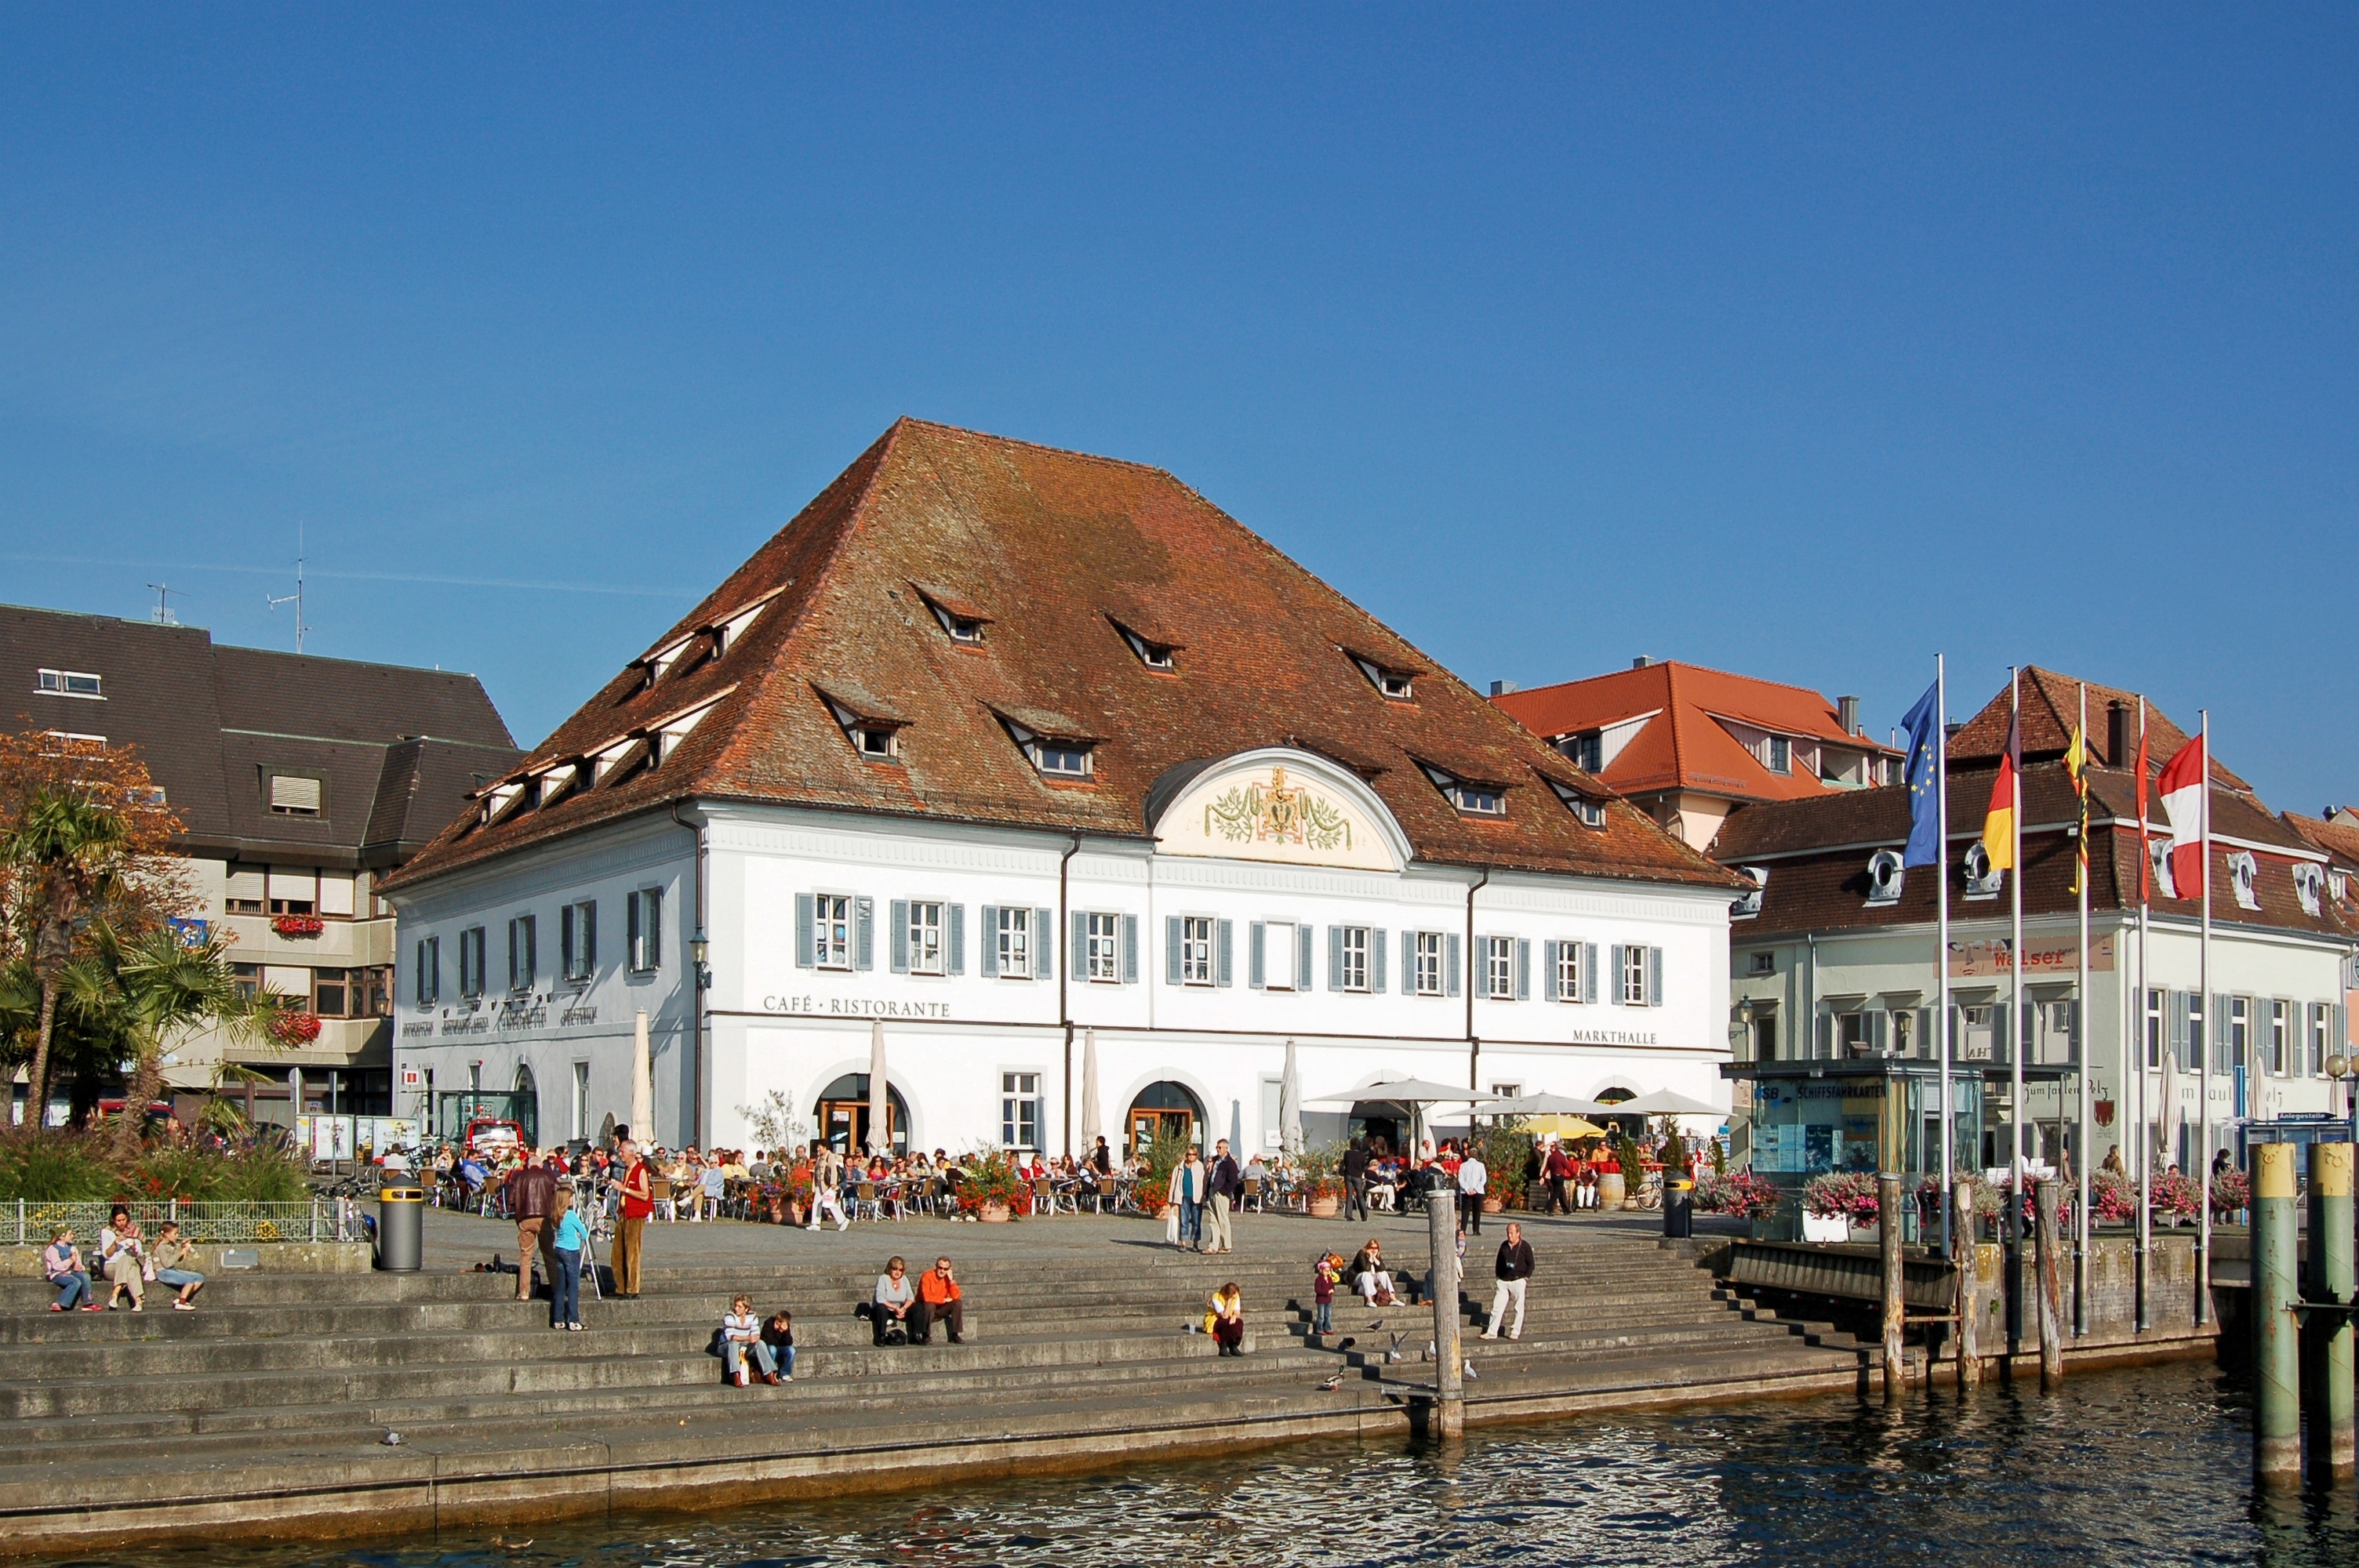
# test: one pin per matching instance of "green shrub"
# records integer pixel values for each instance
(60, 1167)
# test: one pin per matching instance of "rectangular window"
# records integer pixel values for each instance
(2281, 1041)
(331, 992)
(1060, 759)
(471, 961)
(378, 1002)
(1498, 956)
(1427, 959)
(429, 971)
(1568, 972)
(1478, 800)
(925, 937)
(577, 926)
(1195, 951)
(2154, 1013)
(291, 796)
(1353, 969)
(1105, 956)
(2321, 1037)
(1272, 958)
(66, 682)
(247, 889)
(1586, 752)
(580, 1100)
(643, 920)
(1633, 978)
(523, 964)
(1013, 936)
(247, 978)
(1019, 1110)
(1781, 754)
(831, 930)
(2240, 1033)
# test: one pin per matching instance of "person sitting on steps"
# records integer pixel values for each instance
(1227, 1319)
(740, 1340)
(893, 1301)
(940, 1300)
(778, 1333)
(62, 1263)
(175, 1266)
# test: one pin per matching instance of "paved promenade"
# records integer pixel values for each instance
(266, 1412)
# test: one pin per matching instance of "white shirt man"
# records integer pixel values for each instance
(1473, 1180)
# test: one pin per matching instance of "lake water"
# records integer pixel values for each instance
(2144, 1467)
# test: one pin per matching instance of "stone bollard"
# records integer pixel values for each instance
(1965, 1237)
(2276, 1342)
(1895, 1307)
(2330, 1282)
(2050, 1286)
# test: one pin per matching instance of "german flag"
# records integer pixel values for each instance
(1998, 827)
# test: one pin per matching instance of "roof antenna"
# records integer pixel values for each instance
(296, 598)
(163, 611)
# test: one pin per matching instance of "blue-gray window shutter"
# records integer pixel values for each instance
(1302, 957)
(1334, 958)
(1044, 935)
(1614, 986)
(2177, 1037)
(1077, 950)
(1523, 969)
(1256, 955)
(1409, 963)
(1653, 976)
(1549, 986)
(863, 932)
(1588, 971)
(1170, 949)
(954, 916)
(1379, 949)
(589, 936)
(1130, 949)
(805, 955)
(987, 938)
(1453, 962)
(1224, 969)
(565, 943)
(896, 941)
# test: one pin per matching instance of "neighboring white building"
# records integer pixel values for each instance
(1024, 753)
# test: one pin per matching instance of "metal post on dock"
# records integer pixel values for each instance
(1887, 1239)
(2331, 1459)
(1965, 1237)
(2050, 1286)
(2277, 1343)
(1449, 1383)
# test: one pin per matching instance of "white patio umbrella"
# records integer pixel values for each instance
(1545, 1105)
(1289, 1106)
(643, 1084)
(1415, 1093)
(879, 1140)
(1663, 1102)
(1092, 1125)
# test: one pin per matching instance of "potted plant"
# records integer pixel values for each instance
(298, 925)
(1835, 1201)
(2175, 1197)
(1322, 1180)
(991, 1188)
(1505, 1147)
(293, 1029)
(1164, 1154)
(1741, 1194)
(2231, 1190)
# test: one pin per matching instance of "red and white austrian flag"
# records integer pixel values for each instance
(2182, 800)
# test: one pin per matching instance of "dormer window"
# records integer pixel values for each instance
(962, 620)
(1062, 759)
(1154, 655)
(1052, 743)
(873, 729)
(1396, 682)
(961, 628)
(1586, 752)
(873, 743)
(1589, 811)
(2307, 881)
(1471, 797)
(1780, 756)
(67, 683)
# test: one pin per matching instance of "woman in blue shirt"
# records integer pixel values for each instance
(571, 1240)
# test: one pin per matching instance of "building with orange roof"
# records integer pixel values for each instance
(1688, 745)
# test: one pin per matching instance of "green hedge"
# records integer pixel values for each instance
(66, 1166)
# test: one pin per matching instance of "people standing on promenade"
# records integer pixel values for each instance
(2113, 1159)
(778, 1333)
(1227, 1318)
(1473, 1182)
(122, 1255)
(1325, 1274)
(569, 1242)
(741, 1342)
(893, 1301)
(1556, 1170)
(940, 1300)
(532, 1196)
(175, 1262)
(1513, 1270)
(630, 1230)
(1228, 1189)
(1187, 1198)
(62, 1264)
(1356, 1181)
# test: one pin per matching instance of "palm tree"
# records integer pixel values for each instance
(68, 849)
(157, 986)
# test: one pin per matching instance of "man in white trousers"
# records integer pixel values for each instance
(1513, 1270)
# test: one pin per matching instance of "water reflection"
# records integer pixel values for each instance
(2149, 1466)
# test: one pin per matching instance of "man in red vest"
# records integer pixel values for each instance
(638, 1202)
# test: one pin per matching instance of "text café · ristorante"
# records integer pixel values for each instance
(1029, 757)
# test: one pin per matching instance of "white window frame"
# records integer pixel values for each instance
(1478, 800)
(1103, 932)
(1777, 754)
(1428, 979)
(1568, 972)
(1015, 941)
(1358, 942)
(1019, 1093)
(580, 1100)
(832, 930)
(1499, 968)
(2281, 1051)
(1063, 759)
(1633, 978)
(62, 682)
(524, 952)
(2158, 1004)
(2240, 1030)
(928, 954)
(1199, 934)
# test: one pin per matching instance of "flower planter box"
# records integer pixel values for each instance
(1493, 1205)
(1325, 1207)
(992, 1213)
(1825, 1228)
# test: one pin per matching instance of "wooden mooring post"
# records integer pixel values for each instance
(1449, 1378)
(2051, 1287)
(2330, 1334)
(1888, 1221)
(1965, 1234)
(2277, 1343)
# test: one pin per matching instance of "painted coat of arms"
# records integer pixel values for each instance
(1279, 813)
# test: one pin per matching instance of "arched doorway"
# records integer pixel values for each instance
(1165, 1109)
(842, 1116)
(1387, 1125)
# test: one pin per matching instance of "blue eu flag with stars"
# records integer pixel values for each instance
(1923, 724)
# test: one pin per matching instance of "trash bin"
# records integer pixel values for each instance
(1678, 1208)
(400, 1229)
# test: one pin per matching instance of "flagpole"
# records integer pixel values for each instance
(2211, 1049)
(2014, 1030)
(2148, 1137)
(1942, 935)
(2081, 1040)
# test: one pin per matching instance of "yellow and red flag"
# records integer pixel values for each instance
(1999, 827)
(2076, 763)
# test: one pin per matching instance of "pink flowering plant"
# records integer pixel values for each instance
(1842, 1195)
(2230, 1190)
(2112, 1199)
(1738, 1192)
(2175, 1197)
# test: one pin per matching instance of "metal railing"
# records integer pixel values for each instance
(30, 1222)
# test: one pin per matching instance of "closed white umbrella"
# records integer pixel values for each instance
(1289, 1105)
(643, 1084)
(878, 1141)
(1092, 1125)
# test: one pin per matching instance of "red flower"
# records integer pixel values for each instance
(298, 925)
(295, 1028)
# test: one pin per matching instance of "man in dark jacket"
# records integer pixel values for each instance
(531, 1191)
(1512, 1269)
(1228, 1185)
(1356, 1180)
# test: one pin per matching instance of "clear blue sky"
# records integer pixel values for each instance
(1797, 341)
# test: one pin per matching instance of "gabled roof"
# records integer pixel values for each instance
(2337, 834)
(1685, 744)
(1053, 551)
(2051, 706)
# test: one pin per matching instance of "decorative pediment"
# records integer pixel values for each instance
(1276, 804)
